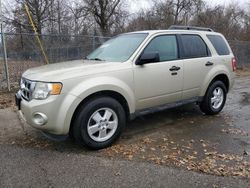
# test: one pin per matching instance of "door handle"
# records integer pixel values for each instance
(209, 63)
(175, 68)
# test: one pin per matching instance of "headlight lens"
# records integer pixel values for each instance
(44, 90)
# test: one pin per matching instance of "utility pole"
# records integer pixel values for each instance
(4, 49)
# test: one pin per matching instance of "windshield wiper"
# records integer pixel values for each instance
(96, 59)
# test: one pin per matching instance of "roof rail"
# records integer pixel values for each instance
(180, 27)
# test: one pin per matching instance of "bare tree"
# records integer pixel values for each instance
(246, 22)
(155, 18)
(178, 8)
(111, 17)
(164, 14)
(227, 20)
(104, 12)
(39, 10)
(79, 17)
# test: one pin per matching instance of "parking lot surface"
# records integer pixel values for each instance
(176, 147)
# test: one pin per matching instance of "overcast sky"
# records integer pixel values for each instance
(138, 4)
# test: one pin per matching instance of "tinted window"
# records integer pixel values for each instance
(165, 45)
(193, 47)
(219, 44)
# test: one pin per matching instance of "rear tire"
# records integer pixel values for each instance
(99, 122)
(215, 98)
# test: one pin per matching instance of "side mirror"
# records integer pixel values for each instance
(148, 58)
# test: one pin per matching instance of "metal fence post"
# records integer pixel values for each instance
(4, 49)
(5, 58)
(93, 42)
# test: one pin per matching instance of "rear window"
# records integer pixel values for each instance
(193, 47)
(219, 44)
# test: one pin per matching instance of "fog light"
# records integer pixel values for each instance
(39, 118)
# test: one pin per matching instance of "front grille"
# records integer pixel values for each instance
(27, 87)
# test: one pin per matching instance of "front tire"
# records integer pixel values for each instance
(215, 98)
(99, 122)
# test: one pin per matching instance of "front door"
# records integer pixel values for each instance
(160, 82)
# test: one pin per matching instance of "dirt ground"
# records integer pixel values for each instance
(180, 138)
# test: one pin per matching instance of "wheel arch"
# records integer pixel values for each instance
(105, 93)
(222, 76)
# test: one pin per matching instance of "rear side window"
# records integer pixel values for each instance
(193, 47)
(219, 44)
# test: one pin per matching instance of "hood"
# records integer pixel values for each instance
(66, 70)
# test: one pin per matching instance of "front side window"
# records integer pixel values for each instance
(118, 49)
(165, 45)
(193, 47)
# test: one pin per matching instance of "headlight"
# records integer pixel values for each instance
(44, 90)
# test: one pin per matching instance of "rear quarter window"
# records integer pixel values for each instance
(219, 44)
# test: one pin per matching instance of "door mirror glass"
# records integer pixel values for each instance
(148, 58)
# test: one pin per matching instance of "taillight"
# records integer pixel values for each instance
(234, 64)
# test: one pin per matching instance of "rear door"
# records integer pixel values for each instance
(197, 63)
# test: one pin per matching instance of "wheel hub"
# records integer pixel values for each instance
(217, 98)
(102, 124)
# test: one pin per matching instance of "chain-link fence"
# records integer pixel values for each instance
(241, 50)
(23, 51)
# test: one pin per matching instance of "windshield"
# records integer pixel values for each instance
(118, 49)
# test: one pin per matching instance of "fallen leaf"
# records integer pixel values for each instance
(130, 157)
(118, 174)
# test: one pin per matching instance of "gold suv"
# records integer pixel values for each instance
(129, 75)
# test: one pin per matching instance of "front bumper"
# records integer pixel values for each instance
(57, 110)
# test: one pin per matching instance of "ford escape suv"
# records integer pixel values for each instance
(129, 75)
